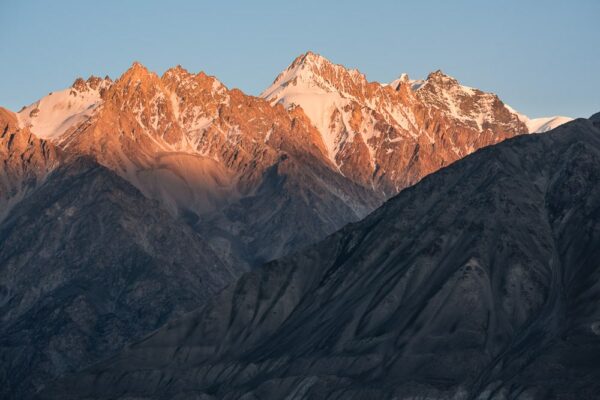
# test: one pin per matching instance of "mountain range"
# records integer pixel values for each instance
(207, 152)
(126, 203)
(480, 282)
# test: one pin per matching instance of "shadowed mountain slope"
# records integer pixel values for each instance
(87, 264)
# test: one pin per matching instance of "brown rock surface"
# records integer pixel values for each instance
(26, 161)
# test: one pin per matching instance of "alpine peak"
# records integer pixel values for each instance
(138, 65)
(311, 72)
(403, 78)
(136, 71)
(309, 58)
(177, 70)
(366, 127)
(439, 76)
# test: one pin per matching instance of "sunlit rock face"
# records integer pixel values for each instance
(481, 281)
(388, 136)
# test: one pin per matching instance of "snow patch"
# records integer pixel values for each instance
(53, 115)
(539, 125)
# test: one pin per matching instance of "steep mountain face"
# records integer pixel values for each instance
(87, 264)
(481, 281)
(26, 161)
(390, 136)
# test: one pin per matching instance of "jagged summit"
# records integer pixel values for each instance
(311, 72)
(448, 84)
(177, 70)
(435, 77)
(310, 59)
(91, 84)
(404, 79)
(179, 75)
(136, 65)
(439, 74)
(137, 72)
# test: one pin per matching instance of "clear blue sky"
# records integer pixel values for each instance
(541, 57)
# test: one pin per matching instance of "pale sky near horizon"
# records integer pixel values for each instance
(540, 57)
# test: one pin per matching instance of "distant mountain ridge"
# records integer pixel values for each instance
(388, 136)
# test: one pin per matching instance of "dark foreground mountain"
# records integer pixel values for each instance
(482, 281)
(87, 264)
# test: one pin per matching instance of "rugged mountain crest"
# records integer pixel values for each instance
(311, 68)
(390, 136)
(479, 110)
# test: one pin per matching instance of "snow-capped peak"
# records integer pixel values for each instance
(403, 79)
(319, 87)
(313, 72)
(395, 84)
(539, 125)
(52, 115)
